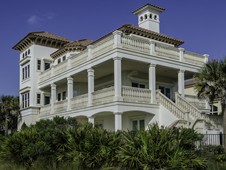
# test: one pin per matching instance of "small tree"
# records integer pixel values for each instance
(9, 109)
(211, 85)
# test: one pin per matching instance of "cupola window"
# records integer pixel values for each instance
(145, 16)
(141, 18)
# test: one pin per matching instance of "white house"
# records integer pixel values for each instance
(126, 80)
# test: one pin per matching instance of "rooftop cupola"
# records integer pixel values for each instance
(148, 17)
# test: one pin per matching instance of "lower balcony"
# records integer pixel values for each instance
(100, 97)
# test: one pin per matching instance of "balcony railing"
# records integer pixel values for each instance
(131, 43)
(103, 96)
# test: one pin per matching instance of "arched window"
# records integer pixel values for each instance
(145, 16)
(150, 16)
(141, 18)
(155, 17)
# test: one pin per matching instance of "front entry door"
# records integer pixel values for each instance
(165, 91)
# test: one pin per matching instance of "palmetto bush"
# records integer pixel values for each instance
(158, 149)
(91, 148)
(64, 144)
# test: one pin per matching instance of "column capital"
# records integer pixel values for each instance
(118, 113)
(53, 85)
(90, 70)
(117, 58)
(206, 56)
(152, 65)
(181, 71)
(117, 32)
(90, 47)
(181, 49)
(69, 79)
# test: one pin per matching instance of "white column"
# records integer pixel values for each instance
(90, 86)
(91, 120)
(53, 97)
(90, 52)
(181, 54)
(69, 62)
(117, 38)
(118, 78)
(152, 82)
(42, 98)
(118, 121)
(181, 82)
(152, 47)
(206, 56)
(69, 92)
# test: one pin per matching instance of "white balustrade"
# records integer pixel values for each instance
(60, 106)
(59, 68)
(103, 96)
(167, 51)
(171, 106)
(135, 44)
(103, 46)
(79, 102)
(190, 57)
(45, 110)
(200, 104)
(79, 59)
(193, 111)
(133, 94)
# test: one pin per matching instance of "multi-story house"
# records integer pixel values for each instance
(126, 80)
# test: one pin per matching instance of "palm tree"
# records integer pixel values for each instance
(211, 85)
(9, 109)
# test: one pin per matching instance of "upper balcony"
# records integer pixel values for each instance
(130, 43)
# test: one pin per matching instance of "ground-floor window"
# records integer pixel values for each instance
(25, 100)
(138, 125)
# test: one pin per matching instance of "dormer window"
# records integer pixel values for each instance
(145, 16)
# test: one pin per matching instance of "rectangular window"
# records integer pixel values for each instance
(25, 100)
(138, 85)
(47, 100)
(47, 66)
(38, 98)
(26, 71)
(59, 60)
(64, 95)
(64, 58)
(138, 125)
(59, 97)
(38, 64)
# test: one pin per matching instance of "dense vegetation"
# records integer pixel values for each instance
(65, 144)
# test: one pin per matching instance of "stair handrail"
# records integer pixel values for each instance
(170, 105)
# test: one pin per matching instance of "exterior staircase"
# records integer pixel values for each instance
(188, 115)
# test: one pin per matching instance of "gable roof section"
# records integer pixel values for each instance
(42, 38)
(78, 45)
(128, 29)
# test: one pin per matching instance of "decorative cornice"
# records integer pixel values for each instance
(41, 38)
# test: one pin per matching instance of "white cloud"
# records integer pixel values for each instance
(35, 20)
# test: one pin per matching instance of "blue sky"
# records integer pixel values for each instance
(200, 23)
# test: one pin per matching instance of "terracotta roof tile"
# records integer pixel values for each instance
(49, 35)
(128, 28)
